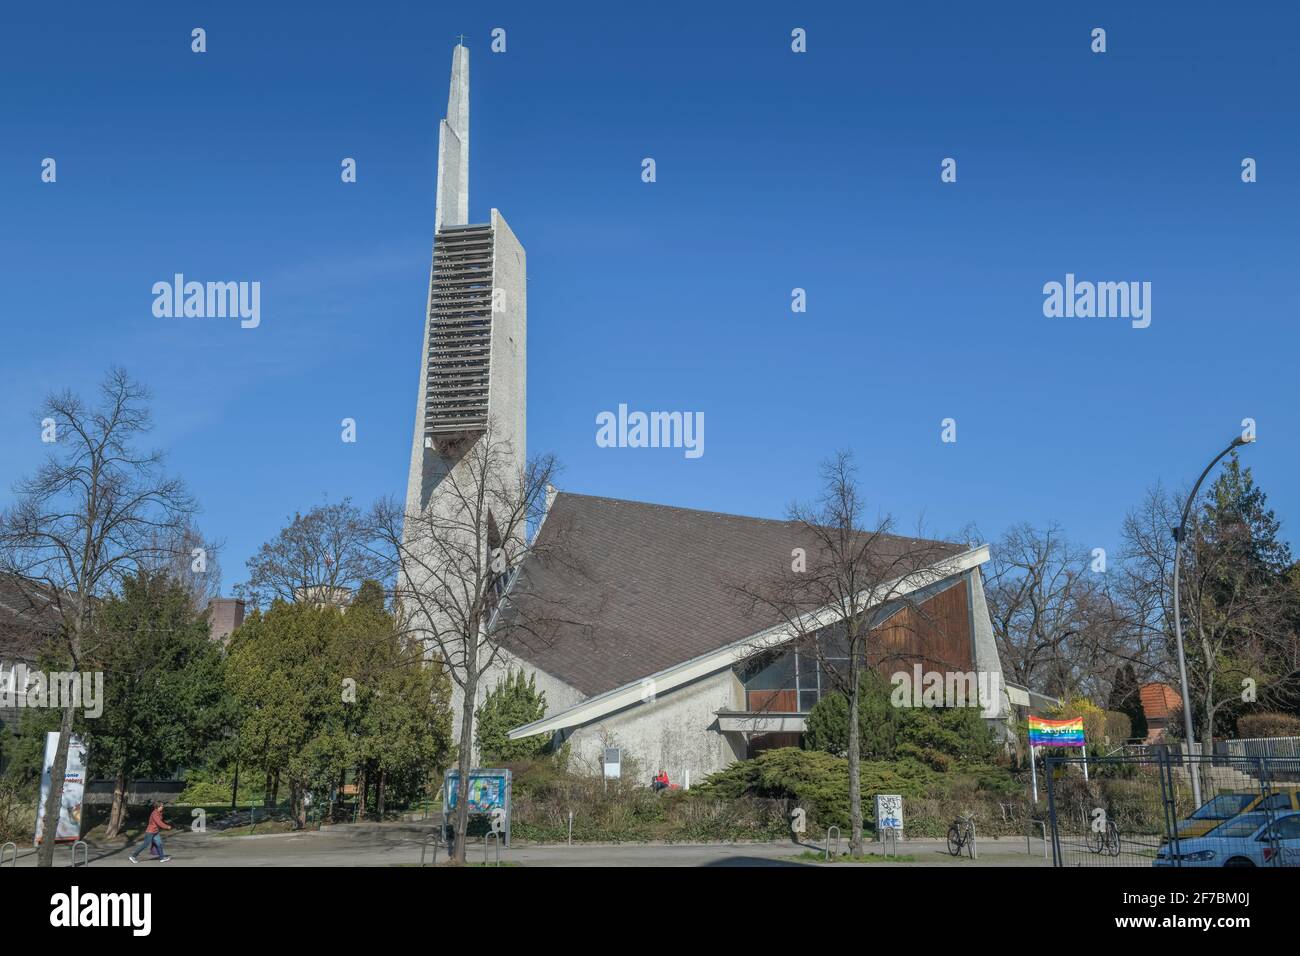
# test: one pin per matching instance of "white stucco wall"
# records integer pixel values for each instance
(674, 732)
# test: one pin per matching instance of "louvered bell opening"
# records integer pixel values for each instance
(460, 331)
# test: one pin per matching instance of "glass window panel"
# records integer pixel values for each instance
(774, 673)
(834, 645)
(1242, 826)
(807, 699)
(807, 669)
(1224, 806)
(1288, 828)
(833, 671)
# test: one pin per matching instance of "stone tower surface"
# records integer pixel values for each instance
(473, 367)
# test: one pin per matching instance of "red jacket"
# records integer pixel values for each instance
(156, 822)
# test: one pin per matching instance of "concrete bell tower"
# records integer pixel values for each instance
(473, 364)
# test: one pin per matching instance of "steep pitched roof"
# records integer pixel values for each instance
(28, 617)
(656, 585)
(1159, 701)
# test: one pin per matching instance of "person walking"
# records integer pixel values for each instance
(153, 836)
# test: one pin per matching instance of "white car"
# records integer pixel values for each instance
(1245, 840)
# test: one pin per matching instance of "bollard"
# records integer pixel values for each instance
(828, 841)
(1029, 832)
(434, 840)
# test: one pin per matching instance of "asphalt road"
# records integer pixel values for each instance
(400, 845)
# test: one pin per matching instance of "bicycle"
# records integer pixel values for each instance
(961, 833)
(1105, 840)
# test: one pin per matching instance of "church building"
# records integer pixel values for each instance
(667, 664)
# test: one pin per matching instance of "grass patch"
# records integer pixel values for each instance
(815, 857)
(269, 826)
(468, 863)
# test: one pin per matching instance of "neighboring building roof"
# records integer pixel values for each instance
(1159, 701)
(28, 618)
(1022, 696)
(657, 585)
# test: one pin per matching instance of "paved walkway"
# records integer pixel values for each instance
(400, 844)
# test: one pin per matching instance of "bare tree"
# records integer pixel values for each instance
(1058, 623)
(326, 551)
(463, 574)
(853, 577)
(96, 511)
(186, 555)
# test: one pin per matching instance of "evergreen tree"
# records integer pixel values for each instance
(878, 721)
(513, 702)
(1126, 698)
(324, 691)
(164, 702)
(935, 735)
(1238, 604)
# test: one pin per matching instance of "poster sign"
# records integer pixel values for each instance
(488, 794)
(889, 813)
(74, 789)
(1055, 733)
(488, 790)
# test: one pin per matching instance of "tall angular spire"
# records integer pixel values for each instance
(452, 208)
(474, 364)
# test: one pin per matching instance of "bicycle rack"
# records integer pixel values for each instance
(497, 840)
(828, 841)
(1030, 827)
(432, 840)
(3, 847)
(974, 847)
(889, 837)
(85, 853)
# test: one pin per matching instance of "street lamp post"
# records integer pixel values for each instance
(1179, 534)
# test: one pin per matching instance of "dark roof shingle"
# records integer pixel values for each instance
(658, 585)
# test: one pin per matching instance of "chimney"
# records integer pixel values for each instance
(224, 615)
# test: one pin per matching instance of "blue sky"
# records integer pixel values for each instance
(775, 171)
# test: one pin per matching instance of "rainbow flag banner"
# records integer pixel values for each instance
(1055, 733)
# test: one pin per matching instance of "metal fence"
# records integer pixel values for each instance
(1282, 752)
(1138, 810)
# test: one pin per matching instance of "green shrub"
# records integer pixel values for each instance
(936, 736)
(878, 722)
(816, 781)
(17, 813)
(204, 793)
(819, 782)
(1119, 727)
(1268, 724)
(1094, 718)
